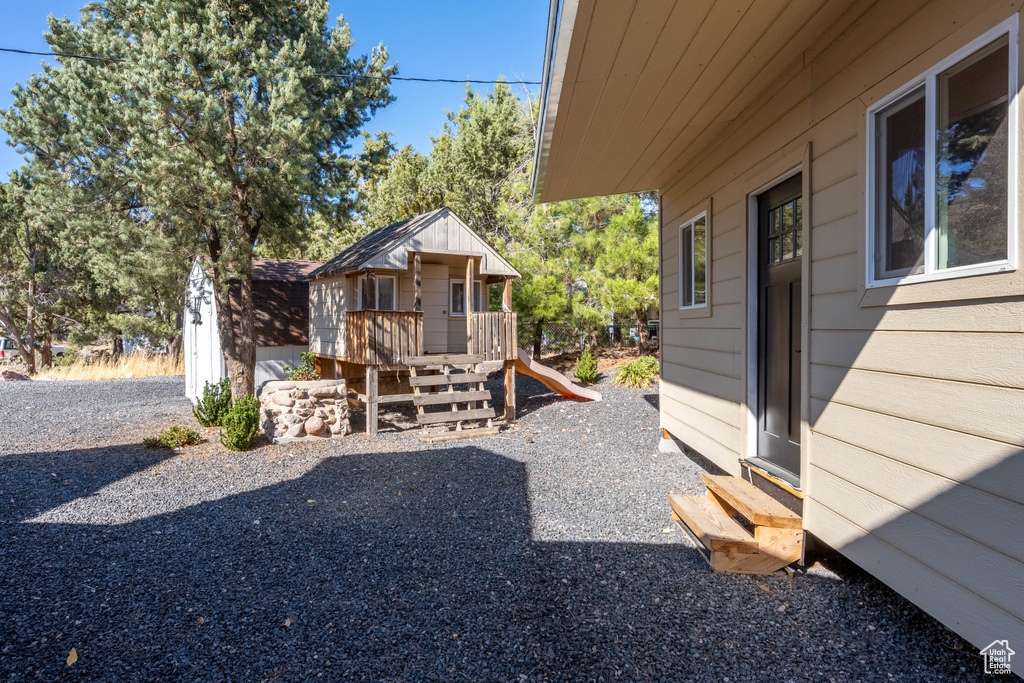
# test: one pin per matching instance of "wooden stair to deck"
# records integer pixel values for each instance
(726, 544)
(475, 399)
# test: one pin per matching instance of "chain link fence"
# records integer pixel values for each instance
(560, 337)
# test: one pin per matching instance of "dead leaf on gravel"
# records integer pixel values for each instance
(765, 588)
(72, 657)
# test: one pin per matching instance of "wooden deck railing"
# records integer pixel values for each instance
(494, 335)
(383, 337)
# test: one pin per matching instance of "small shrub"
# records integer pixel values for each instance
(586, 368)
(174, 437)
(241, 424)
(306, 372)
(215, 403)
(66, 358)
(639, 373)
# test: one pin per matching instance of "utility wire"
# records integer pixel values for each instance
(332, 75)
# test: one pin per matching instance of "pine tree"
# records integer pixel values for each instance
(223, 123)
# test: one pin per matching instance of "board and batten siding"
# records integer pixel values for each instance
(327, 300)
(914, 452)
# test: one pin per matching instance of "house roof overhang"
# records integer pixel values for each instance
(635, 90)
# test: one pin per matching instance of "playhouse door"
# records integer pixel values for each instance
(780, 250)
(434, 300)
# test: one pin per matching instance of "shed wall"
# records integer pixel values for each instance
(327, 300)
(914, 451)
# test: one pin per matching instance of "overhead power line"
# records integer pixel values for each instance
(415, 79)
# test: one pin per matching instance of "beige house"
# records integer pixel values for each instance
(842, 314)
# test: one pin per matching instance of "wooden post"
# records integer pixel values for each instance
(510, 390)
(371, 289)
(418, 287)
(469, 304)
(371, 400)
(510, 364)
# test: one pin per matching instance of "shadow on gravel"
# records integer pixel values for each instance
(421, 569)
(531, 396)
(31, 483)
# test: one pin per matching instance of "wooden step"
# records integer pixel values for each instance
(709, 523)
(436, 380)
(443, 397)
(758, 507)
(452, 435)
(456, 416)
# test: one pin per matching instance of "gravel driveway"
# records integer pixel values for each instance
(546, 553)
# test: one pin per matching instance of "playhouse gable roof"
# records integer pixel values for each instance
(441, 231)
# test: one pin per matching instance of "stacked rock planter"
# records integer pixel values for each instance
(291, 411)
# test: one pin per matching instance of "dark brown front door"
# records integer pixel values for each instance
(780, 252)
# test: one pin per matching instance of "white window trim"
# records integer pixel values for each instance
(693, 265)
(451, 286)
(929, 80)
(376, 293)
(465, 293)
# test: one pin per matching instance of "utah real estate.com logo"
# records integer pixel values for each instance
(997, 657)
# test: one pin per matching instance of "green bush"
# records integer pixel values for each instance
(639, 373)
(67, 357)
(174, 437)
(215, 403)
(586, 368)
(306, 372)
(241, 424)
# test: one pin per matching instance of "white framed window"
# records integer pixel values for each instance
(457, 297)
(693, 262)
(385, 299)
(942, 162)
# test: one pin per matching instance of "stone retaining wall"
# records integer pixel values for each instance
(295, 410)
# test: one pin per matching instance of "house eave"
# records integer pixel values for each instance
(561, 15)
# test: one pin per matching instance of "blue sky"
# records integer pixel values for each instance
(479, 40)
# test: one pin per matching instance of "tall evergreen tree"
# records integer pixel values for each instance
(224, 122)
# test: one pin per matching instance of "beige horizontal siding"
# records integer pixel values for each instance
(986, 464)
(936, 355)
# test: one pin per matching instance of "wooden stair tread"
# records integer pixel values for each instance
(458, 378)
(455, 416)
(751, 502)
(475, 433)
(443, 397)
(716, 530)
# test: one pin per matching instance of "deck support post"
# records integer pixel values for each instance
(371, 400)
(417, 304)
(469, 304)
(510, 363)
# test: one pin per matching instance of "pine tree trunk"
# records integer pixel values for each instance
(240, 352)
(46, 352)
(642, 329)
(30, 329)
(538, 336)
(173, 346)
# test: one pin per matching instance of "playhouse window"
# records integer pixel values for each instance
(458, 297)
(693, 253)
(942, 165)
(385, 294)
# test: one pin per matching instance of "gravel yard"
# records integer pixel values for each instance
(546, 553)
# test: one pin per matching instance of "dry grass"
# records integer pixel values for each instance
(137, 364)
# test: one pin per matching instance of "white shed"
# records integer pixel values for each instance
(281, 297)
